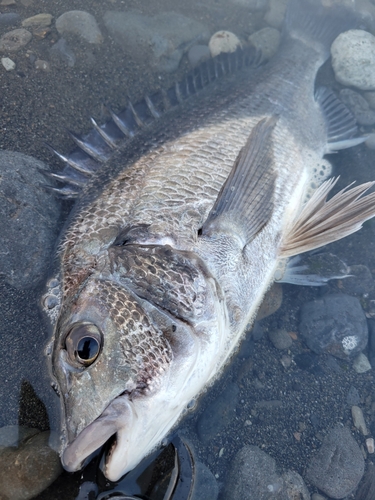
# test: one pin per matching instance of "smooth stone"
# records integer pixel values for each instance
(9, 19)
(14, 40)
(361, 364)
(353, 397)
(271, 302)
(359, 420)
(353, 59)
(29, 469)
(39, 21)
(252, 5)
(25, 204)
(81, 23)
(276, 13)
(370, 141)
(367, 487)
(358, 106)
(359, 281)
(253, 476)
(205, 484)
(43, 65)
(316, 496)
(161, 39)
(223, 41)
(280, 339)
(8, 64)
(8, 2)
(219, 414)
(61, 52)
(338, 466)
(198, 54)
(370, 445)
(334, 324)
(267, 40)
(371, 342)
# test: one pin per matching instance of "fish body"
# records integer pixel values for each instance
(166, 259)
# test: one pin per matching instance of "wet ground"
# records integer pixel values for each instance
(286, 411)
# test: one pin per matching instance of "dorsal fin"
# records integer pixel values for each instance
(321, 222)
(245, 202)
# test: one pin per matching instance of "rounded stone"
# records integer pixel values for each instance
(353, 59)
(280, 339)
(276, 13)
(335, 324)
(81, 23)
(267, 40)
(39, 21)
(338, 466)
(8, 64)
(9, 19)
(358, 106)
(361, 364)
(14, 40)
(223, 41)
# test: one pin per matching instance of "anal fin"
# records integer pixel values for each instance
(321, 222)
(245, 202)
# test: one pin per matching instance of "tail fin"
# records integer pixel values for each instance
(309, 21)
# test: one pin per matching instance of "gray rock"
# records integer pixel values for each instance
(29, 469)
(219, 414)
(280, 339)
(28, 220)
(39, 21)
(205, 485)
(335, 324)
(358, 106)
(198, 54)
(14, 40)
(267, 40)
(361, 364)
(275, 15)
(161, 39)
(359, 282)
(353, 59)
(253, 476)
(359, 420)
(80, 23)
(371, 343)
(252, 5)
(61, 52)
(353, 397)
(338, 466)
(9, 19)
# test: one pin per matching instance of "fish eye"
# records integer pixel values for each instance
(83, 343)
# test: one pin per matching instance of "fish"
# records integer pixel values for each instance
(176, 237)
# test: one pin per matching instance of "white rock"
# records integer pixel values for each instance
(8, 63)
(267, 40)
(223, 41)
(361, 364)
(370, 445)
(353, 59)
(275, 15)
(80, 23)
(359, 420)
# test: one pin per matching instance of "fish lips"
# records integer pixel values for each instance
(117, 419)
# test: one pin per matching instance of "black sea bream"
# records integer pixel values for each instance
(173, 243)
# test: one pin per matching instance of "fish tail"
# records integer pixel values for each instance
(312, 23)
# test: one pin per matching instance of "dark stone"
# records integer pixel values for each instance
(28, 220)
(338, 466)
(371, 342)
(335, 324)
(61, 52)
(360, 281)
(219, 414)
(9, 19)
(353, 398)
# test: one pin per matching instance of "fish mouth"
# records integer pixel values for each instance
(108, 427)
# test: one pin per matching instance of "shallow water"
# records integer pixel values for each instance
(284, 411)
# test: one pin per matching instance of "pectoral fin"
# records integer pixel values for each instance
(321, 222)
(245, 202)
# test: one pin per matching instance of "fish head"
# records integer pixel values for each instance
(126, 355)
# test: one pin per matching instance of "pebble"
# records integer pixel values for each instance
(24, 260)
(370, 445)
(223, 41)
(198, 54)
(161, 40)
(370, 141)
(361, 364)
(286, 361)
(359, 282)
(334, 324)
(337, 468)
(61, 52)
(14, 40)
(280, 339)
(9, 19)
(358, 106)
(253, 476)
(275, 15)
(80, 23)
(39, 21)
(218, 414)
(359, 420)
(8, 63)
(353, 59)
(40, 64)
(27, 470)
(272, 302)
(353, 397)
(267, 40)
